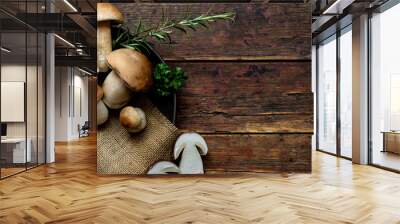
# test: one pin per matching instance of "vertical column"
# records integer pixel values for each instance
(50, 98)
(314, 90)
(360, 90)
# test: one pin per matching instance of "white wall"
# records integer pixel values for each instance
(70, 84)
(17, 72)
(14, 72)
(61, 104)
(80, 102)
(33, 127)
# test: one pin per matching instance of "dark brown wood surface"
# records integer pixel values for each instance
(246, 152)
(260, 31)
(246, 97)
(249, 87)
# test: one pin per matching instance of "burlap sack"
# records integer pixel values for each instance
(119, 152)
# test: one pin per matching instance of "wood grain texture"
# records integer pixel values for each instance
(249, 86)
(258, 153)
(264, 97)
(70, 191)
(261, 31)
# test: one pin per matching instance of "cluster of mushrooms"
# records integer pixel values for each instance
(131, 72)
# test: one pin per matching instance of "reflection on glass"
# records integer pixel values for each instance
(385, 84)
(15, 150)
(31, 97)
(41, 98)
(22, 90)
(346, 93)
(327, 96)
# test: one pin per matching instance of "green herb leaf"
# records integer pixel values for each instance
(163, 30)
(168, 80)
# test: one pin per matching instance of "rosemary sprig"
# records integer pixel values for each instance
(139, 40)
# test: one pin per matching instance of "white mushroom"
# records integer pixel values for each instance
(163, 167)
(102, 113)
(116, 94)
(133, 119)
(192, 145)
(106, 13)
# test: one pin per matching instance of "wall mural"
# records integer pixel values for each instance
(176, 86)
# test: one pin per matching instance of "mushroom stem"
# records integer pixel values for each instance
(102, 113)
(191, 162)
(104, 45)
(116, 94)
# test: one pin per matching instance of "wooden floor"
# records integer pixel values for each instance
(387, 159)
(5, 172)
(69, 191)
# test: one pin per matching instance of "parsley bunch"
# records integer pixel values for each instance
(168, 80)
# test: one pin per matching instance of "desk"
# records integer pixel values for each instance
(16, 147)
(391, 141)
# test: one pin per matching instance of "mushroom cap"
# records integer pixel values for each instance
(100, 93)
(190, 138)
(133, 67)
(133, 119)
(163, 167)
(109, 12)
(116, 94)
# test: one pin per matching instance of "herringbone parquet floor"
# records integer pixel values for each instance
(69, 191)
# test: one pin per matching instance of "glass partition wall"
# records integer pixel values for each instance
(345, 91)
(334, 94)
(385, 89)
(22, 87)
(327, 95)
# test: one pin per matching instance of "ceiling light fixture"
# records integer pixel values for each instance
(5, 50)
(337, 7)
(70, 5)
(65, 41)
(84, 71)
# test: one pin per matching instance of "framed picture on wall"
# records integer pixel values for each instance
(12, 101)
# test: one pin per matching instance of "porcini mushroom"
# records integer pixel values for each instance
(133, 119)
(116, 94)
(102, 111)
(100, 93)
(163, 167)
(133, 68)
(192, 145)
(106, 13)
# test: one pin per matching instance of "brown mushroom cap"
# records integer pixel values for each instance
(133, 119)
(109, 12)
(100, 93)
(133, 67)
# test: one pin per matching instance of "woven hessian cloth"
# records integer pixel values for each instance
(119, 152)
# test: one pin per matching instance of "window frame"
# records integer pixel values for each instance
(338, 33)
(380, 9)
